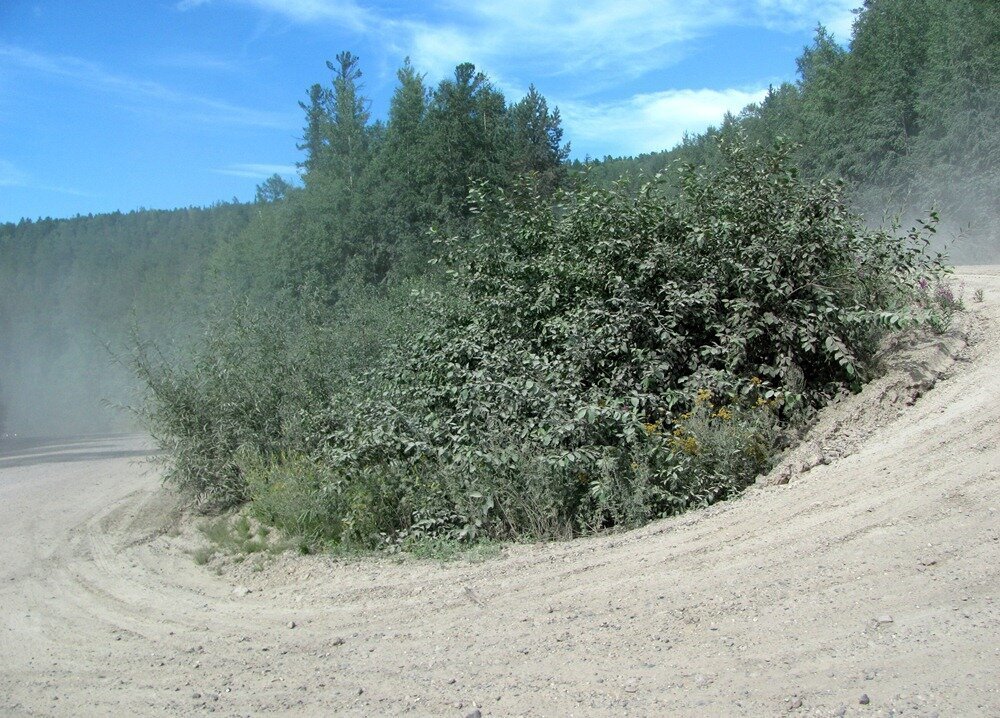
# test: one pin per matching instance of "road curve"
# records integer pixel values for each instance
(867, 585)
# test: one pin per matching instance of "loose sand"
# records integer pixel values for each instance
(875, 572)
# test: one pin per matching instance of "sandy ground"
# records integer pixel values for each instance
(873, 572)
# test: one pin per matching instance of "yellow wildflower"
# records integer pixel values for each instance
(689, 445)
(724, 414)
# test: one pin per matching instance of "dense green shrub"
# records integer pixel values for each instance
(591, 364)
(546, 396)
(255, 383)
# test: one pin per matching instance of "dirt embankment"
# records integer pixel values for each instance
(871, 575)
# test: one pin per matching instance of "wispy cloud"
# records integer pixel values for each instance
(591, 41)
(200, 61)
(837, 15)
(13, 176)
(550, 37)
(194, 107)
(258, 171)
(653, 121)
(347, 13)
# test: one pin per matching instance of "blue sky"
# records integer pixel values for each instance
(109, 105)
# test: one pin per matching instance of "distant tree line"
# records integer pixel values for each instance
(71, 290)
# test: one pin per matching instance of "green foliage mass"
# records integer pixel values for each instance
(255, 381)
(590, 363)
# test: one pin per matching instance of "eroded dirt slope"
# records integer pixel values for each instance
(873, 571)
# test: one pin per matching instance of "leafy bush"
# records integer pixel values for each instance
(294, 495)
(593, 364)
(525, 409)
(939, 301)
(726, 441)
(255, 384)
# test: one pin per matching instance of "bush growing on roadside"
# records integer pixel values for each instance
(594, 364)
(293, 494)
(726, 440)
(525, 410)
(939, 301)
(255, 385)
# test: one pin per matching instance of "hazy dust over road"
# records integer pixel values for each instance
(872, 574)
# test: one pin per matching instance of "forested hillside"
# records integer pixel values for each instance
(906, 114)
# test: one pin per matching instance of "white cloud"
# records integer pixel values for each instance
(592, 40)
(193, 107)
(599, 41)
(437, 51)
(651, 122)
(549, 37)
(258, 171)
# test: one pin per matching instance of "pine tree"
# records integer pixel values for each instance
(348, 128)
(465, 140)
(536, 141)
(398, 210)
(324, 234)
(314, 138)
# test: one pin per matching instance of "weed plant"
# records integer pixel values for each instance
(236, 536)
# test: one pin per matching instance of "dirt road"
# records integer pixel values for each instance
(868, 585)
